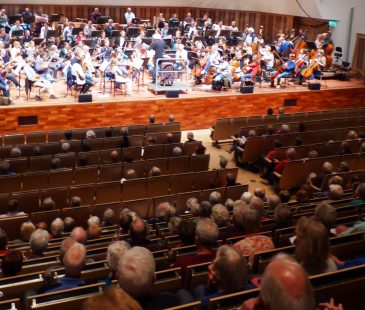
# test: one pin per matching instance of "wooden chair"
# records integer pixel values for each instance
(138, 166)
(14, 139)
(79, 214)
(56, 135)
(161, 163)
(115, 206)
(199, 162)
(136, 130)
(36, 137)
(112, 143)
(107, 192)
(110, 172)
(105, 157)
(158, 186)
(181, 199)
(40, 163)
(12, 225)
(91, 157)
(35, 180)
(182, 182)
(18, 165)
(202, 179)
(167, 280)
(50, 148)
(140, 206)
(235, 192)
(179, 164)
(135, 152)
(45, 216)
(86, 175)
(61, 177)
(153, 151)
(196, 275)
(10, 183)
(134, 189)
(68, 160)
(85, 192)
(58, 195)
(28, 201)
(223, 129)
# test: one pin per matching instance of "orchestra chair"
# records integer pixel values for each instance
(290, 81)
(319, 78)
(122, 87)
(28, 85)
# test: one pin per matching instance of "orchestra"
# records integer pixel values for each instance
(45, 51)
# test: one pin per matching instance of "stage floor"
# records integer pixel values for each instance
(143, 93)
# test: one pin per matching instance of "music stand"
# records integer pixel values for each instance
(115, 33)
(51, 33)
(17, 33)
(102, 19)
(168, 42)
(96, 33)
(28, 19)
(200, 22)
(14, 18)
(210, 33)
(236, 34)
(133, 32)
(176, 23)
(225, 33)
(136, 21)
(150, 33)
(55, 18)
(76, 31)
(311, 45)
(172, 31)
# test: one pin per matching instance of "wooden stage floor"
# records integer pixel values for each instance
(198, 109)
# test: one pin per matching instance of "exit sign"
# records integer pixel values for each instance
(332, 23)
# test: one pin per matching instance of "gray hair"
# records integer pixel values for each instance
(165, 210)
(207, 231)
(273, 201)
(174, 223)
(90, 134)
(220, 215)
(326, 214)
(223, 162)
(194, 206)
(215, 197)
(108, 216)
(74, 260)
(39, 241)
(65, 147)
(93, 220)
(335, 191)
(57, 227)
(231, 270)
(246, 197)
(239, 208)
(115, 252)
(258, 205)
(177, 151)
(136, 271)
(15, 152)
(229, 204)
(26, 230)
(281, 292)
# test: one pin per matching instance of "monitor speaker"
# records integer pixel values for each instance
(314, 86)
(246, 89)
(85, 98)
(172, 94)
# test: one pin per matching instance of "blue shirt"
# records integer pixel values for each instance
(290, 67)
(285, 46)
(66, 283)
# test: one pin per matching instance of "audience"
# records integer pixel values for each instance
(12, 209)
(114, 254)
(38, 243)
(11, 263)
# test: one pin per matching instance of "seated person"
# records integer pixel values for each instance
(12, 263)
(12, 209)
(3, 242)
(290, 155)
(38, 243)
(138, 233)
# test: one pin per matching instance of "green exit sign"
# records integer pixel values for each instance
(332, 23)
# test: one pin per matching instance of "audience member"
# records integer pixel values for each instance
(48, 204)
(57, 227)
(283, 217)
(114, 254)
(108, 217)
(138, 233)
(12, 209)
(193, 206)
(186, 231)
(79, 235)
(326, 214)
(11, 263)
(38, 243)
(69, 224)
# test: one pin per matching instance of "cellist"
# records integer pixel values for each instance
(251, 69)
(284, 71)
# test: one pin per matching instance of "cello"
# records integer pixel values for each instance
(308, 72)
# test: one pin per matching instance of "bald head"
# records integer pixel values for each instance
(74, 260)
(285, 285)
(79, 234)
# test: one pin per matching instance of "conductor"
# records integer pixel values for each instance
(158, 45)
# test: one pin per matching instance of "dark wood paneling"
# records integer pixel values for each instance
(271, 22)
(193, 113)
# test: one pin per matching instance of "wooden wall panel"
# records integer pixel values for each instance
(271, 22)
(194, 113)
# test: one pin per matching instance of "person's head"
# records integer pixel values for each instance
(281, 111)
(205, 209)
(125, 220)
(186, 231)
(193, 206)
(65, 245)
(239, 208)
(93, 231)
(39, 241)
(335, 192)
(283, 217)
(4, 167)
(190, 136)
(79, 235)
(55, 163)
(352, 135)
(251, 221)
(37, 151)
(112, 298)
(258, 205)
(93, 220)
(327, 168)
(206, 232)
(360, 191)
(115, 252)
(130, 174)
(326, 214)
(336, 179)
(3, 239)
(229, 204)
(26, 230)
(138, 230)
(220, 215)
(344, 167)
(171, 118)
(15, 152)
(362, 147)
(302, 196)
(75, 202)
(69, 224)
(223, 162)
(246, 197)
(215, 198)
(169, 138)
(311, 245)
(154, 172)
(108, 217)
(57, 227)
(177, 151)
(285, 285)
(74, 260)
(230, 179)
(13, 206)
(313, 154)
(12, 263)
(290, 153)
(165, 211)
(90, 134)
(65, 147)
(273, 201)
(229, 270)
(48, 204)
(284, 196)
(137, 271)
(152, 119)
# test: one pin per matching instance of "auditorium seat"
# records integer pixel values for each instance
(140, 206)
(45, 216)
(161, 163)
(86, 175)
(79, 214)
(28, 201)
(36, 137)
(182, 182)
(158, 186)
(18, 165)
(10, 183)
(68, 160)
(110, 172)
(199, 162)
(14, 139)
(59, 195)
(85, 192)
(202, 179)
(138, 166)
(40, 163)
(107, 192)
(12, 225)
(61, 177)
(134, 189)
(235, 192)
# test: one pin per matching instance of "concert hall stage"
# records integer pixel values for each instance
(197, 109)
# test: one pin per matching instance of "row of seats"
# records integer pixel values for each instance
(224, 128)
(80, 133)
(103, 173)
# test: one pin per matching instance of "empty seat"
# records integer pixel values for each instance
(56, 135)
(107, 192)
(110, 172)
(92, 157)
(132, 153)
(35, 180)
(14, 139)
(182, 182)
(61, 177)
(28, 201)
(154, 128)
(112, 143)
(153, 151)
(199, 162)
(223, 129)
(40, 163)
(138, 130)
(86, 175)
(140, 206)
(10, 183)
(136, 140)
(179, 164)
(18, 165)
(36, 137)
(68, 160)
(133, 189)
(158, 186)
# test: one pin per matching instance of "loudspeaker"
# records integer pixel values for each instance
(172, 94)
(246, 89)
(5, 100)
(85, 98)
(314, 86)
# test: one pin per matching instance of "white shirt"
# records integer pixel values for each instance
(182, 54)
(129, 16)
(30, 73)
(269, 58)
(42, 35)
(79, 73)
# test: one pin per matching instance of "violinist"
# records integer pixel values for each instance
(286, 70)
(67, 33)
(180, 64)
(88, 29)
(121, 77)
(192, 29)
(44, 31)
(80, 76)
(249, 36)
(250, 71)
